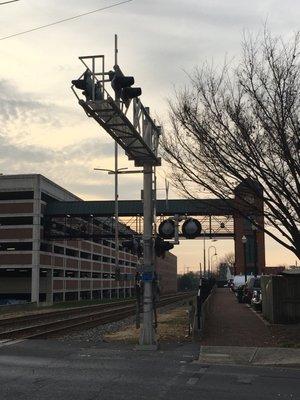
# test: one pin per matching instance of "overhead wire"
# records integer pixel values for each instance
(65, 19)
(6, 2)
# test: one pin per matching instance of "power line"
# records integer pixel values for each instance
(6, 2)
(65, 19)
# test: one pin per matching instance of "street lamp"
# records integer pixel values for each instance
(209, 260)
(244, 241)
(213, 255)
(115, 172)
(254, 230)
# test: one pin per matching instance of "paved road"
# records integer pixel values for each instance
(56, 370)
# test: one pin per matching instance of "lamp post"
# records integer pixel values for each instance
(213, 255)
(209, 260)
(254, 230)
(244, 240)
(115, 172)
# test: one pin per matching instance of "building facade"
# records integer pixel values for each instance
(38, 270)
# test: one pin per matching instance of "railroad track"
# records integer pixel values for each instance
(43, 325)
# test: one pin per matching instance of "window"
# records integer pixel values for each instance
(96, 275)
(57, 297)
(16, 221)
(250, 249)
(97, 257)
(72, 253)
(16, 246)
(85, 255)
(106, 259)
(71, 274)
(58, 273)
(47, 247)
(69, 296)
(16, 195)
(84, 274)
(59, 250)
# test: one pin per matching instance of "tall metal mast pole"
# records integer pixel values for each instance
(147, 333)
(116, 181)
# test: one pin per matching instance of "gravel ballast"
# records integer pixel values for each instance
(97, 333)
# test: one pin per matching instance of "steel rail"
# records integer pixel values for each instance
(95, 318)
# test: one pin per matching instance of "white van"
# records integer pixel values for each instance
(238, 280)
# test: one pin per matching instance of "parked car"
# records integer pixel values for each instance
(256, 301)
(238, 280)
(252, 284)
(240, 293)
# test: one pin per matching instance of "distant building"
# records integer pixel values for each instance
(273, 270)
(38, 270)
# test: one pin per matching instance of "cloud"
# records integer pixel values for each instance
(27, 108)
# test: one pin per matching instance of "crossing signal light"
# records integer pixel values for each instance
(88, 86)
(166, 229)
(122, 86)
(191, 228)
(161, 247)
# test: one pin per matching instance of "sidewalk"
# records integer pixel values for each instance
(236, 335)
(234, 324)
(250, 356)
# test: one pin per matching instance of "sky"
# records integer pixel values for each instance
(42, 128)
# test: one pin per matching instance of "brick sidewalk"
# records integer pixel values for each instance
(234, 324)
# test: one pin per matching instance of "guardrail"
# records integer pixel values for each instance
(204, 305)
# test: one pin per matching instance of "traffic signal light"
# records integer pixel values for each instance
(122, 86)
(166, 229)
(87, 85)
(160, 247)
(191, 228)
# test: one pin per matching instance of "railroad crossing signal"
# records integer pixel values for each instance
(139, 137)
(191, 228)
(91, 90)
(122, 86)
(161, 247)
(167, 228)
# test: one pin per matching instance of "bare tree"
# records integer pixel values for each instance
(228, 258)
(243, 123)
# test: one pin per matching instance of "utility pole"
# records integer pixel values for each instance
(117, 268)
(147, 333)
(138, 136)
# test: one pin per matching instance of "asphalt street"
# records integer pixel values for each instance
(59, 370)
